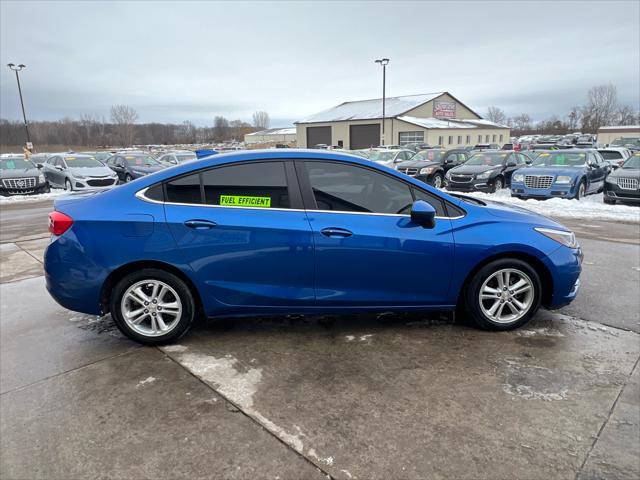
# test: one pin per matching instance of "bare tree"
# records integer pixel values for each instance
(496, 115)
(601, 107)
(627, 116)
(522, 122)
(261, 120)
(124, 117)
(220, 129)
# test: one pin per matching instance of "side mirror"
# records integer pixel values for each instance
(39, 165)
(423, 214)
(58, 167)
(511, 164)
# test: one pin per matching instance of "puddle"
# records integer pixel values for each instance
(533, 382)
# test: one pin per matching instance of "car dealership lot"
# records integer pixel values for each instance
(402, 396)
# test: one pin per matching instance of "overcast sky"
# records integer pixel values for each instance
(176, 61)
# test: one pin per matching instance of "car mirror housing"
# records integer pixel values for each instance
(423, 214)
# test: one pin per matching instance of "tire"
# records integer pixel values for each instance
(498, 184)
(127, 178)
(47, 188)
(437, 181)
(609, 201)
(67, 185)
(582, 188)
(177, 297)
(484, 279)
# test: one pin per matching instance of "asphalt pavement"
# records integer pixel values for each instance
(362, 396)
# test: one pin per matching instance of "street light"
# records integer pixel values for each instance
(24, 115)
(384, 62)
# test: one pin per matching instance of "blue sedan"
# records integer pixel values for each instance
(561, 174)
(299, 231)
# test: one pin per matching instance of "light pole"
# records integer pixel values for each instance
(24, 115)
(384, 62)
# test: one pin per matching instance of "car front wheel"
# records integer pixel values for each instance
(498, 184)
(128, 178)
(152, 306)
(437, 180)
(67, 185)
(503, 295)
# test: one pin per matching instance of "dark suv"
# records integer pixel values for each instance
(486, 171)
(430, 166)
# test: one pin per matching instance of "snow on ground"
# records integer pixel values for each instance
(32, 198)
(590, 207)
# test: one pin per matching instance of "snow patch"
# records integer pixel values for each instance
(33, 198)
(145, 381)
(589, 207)
(542, 332)
(175, 348)
(361, 338)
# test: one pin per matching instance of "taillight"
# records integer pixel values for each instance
(59, 223)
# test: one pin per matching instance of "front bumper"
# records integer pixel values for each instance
(474, 185)
(565, 265)
(614, 192)
(519, 189)
(39, 188)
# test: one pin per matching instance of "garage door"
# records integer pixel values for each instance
(364, 136)
(318, 135)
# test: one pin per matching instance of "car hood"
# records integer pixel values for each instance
(20, 173)
(473, 169)
(626, 173)
(503, 210)
(417, 163)
(91, 171)
(555, 171)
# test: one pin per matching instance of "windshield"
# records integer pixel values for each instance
(82, 162)
(382, 156)
(429, 155)
(140, 161)
(490, 159)
(626, 141)
(632, 163)
(183, 157)
(561, 159)
(609, 155)
(15, 164)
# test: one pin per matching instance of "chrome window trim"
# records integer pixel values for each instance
(140, 194)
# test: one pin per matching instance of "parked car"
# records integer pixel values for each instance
(100, 156)
(632, 143)
(561, 173)
(177, 156)
(615, 156)
(75, 171)
(486, 146)
(135, 165)
(486, 171)
(430, 166)
(389, 157)
(19, 176)
(508, 146)
(624, 183)
(416, 147)
(224, 236)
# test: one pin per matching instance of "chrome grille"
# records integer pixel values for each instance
(409, 171)
(19, 183)
(461, 178)
(538, 181)
(628, 183)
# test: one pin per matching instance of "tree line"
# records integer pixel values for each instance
(601, 108)
(122, 130)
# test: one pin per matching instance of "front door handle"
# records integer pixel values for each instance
(200, 224)
(336, 232)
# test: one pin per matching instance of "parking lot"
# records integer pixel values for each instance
(384, 396)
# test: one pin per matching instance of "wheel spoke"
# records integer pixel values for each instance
(518, 304)
(134, 313)
(513, 308)
(139, 320)
(488, 289)
(139, 296)
(499, 312)
(154, 291)
(526, 288)
(507, 276)
(161, 324)
(500, 281)
(494, 307)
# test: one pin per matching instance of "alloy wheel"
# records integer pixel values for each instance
(151, 308)
(437, 181)
(506, 295)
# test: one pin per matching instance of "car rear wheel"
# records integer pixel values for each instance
(152, 306)
(437, 180)
(498, 184)
(67, 185)
(503, 295)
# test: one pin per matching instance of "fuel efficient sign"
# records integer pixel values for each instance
(244, 201)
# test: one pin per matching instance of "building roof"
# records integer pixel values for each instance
(371, 109)
(621, 127)
(275, 131)
(451, 123)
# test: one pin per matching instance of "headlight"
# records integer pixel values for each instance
(41, 178)
(568, 239)
(426, 170)
(563, 179)
(484, 175)
(518, 177)
(448, 175)
(612, 180)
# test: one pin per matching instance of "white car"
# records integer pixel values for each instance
(615, 156)
(389, 157)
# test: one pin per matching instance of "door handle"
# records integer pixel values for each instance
(200, 224)
(336, 232)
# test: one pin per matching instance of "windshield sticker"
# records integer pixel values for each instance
(242, 201)
(11, 165)
(544, 154)
(69, 158)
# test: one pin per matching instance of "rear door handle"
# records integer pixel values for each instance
(200, 224)
(336, 232)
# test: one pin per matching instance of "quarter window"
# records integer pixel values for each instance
(347, 188)
(260, 185)
(185, 190)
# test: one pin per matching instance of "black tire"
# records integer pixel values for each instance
(471, 294)
(498, 184)
(437, 181)
(609, 201)
(186, 297)
(127, 178)
(68, 186)
(582, 190)
(47, 188)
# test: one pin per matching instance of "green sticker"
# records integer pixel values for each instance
(242, 201)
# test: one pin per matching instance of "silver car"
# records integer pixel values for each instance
(78, 172)
(178, 156)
